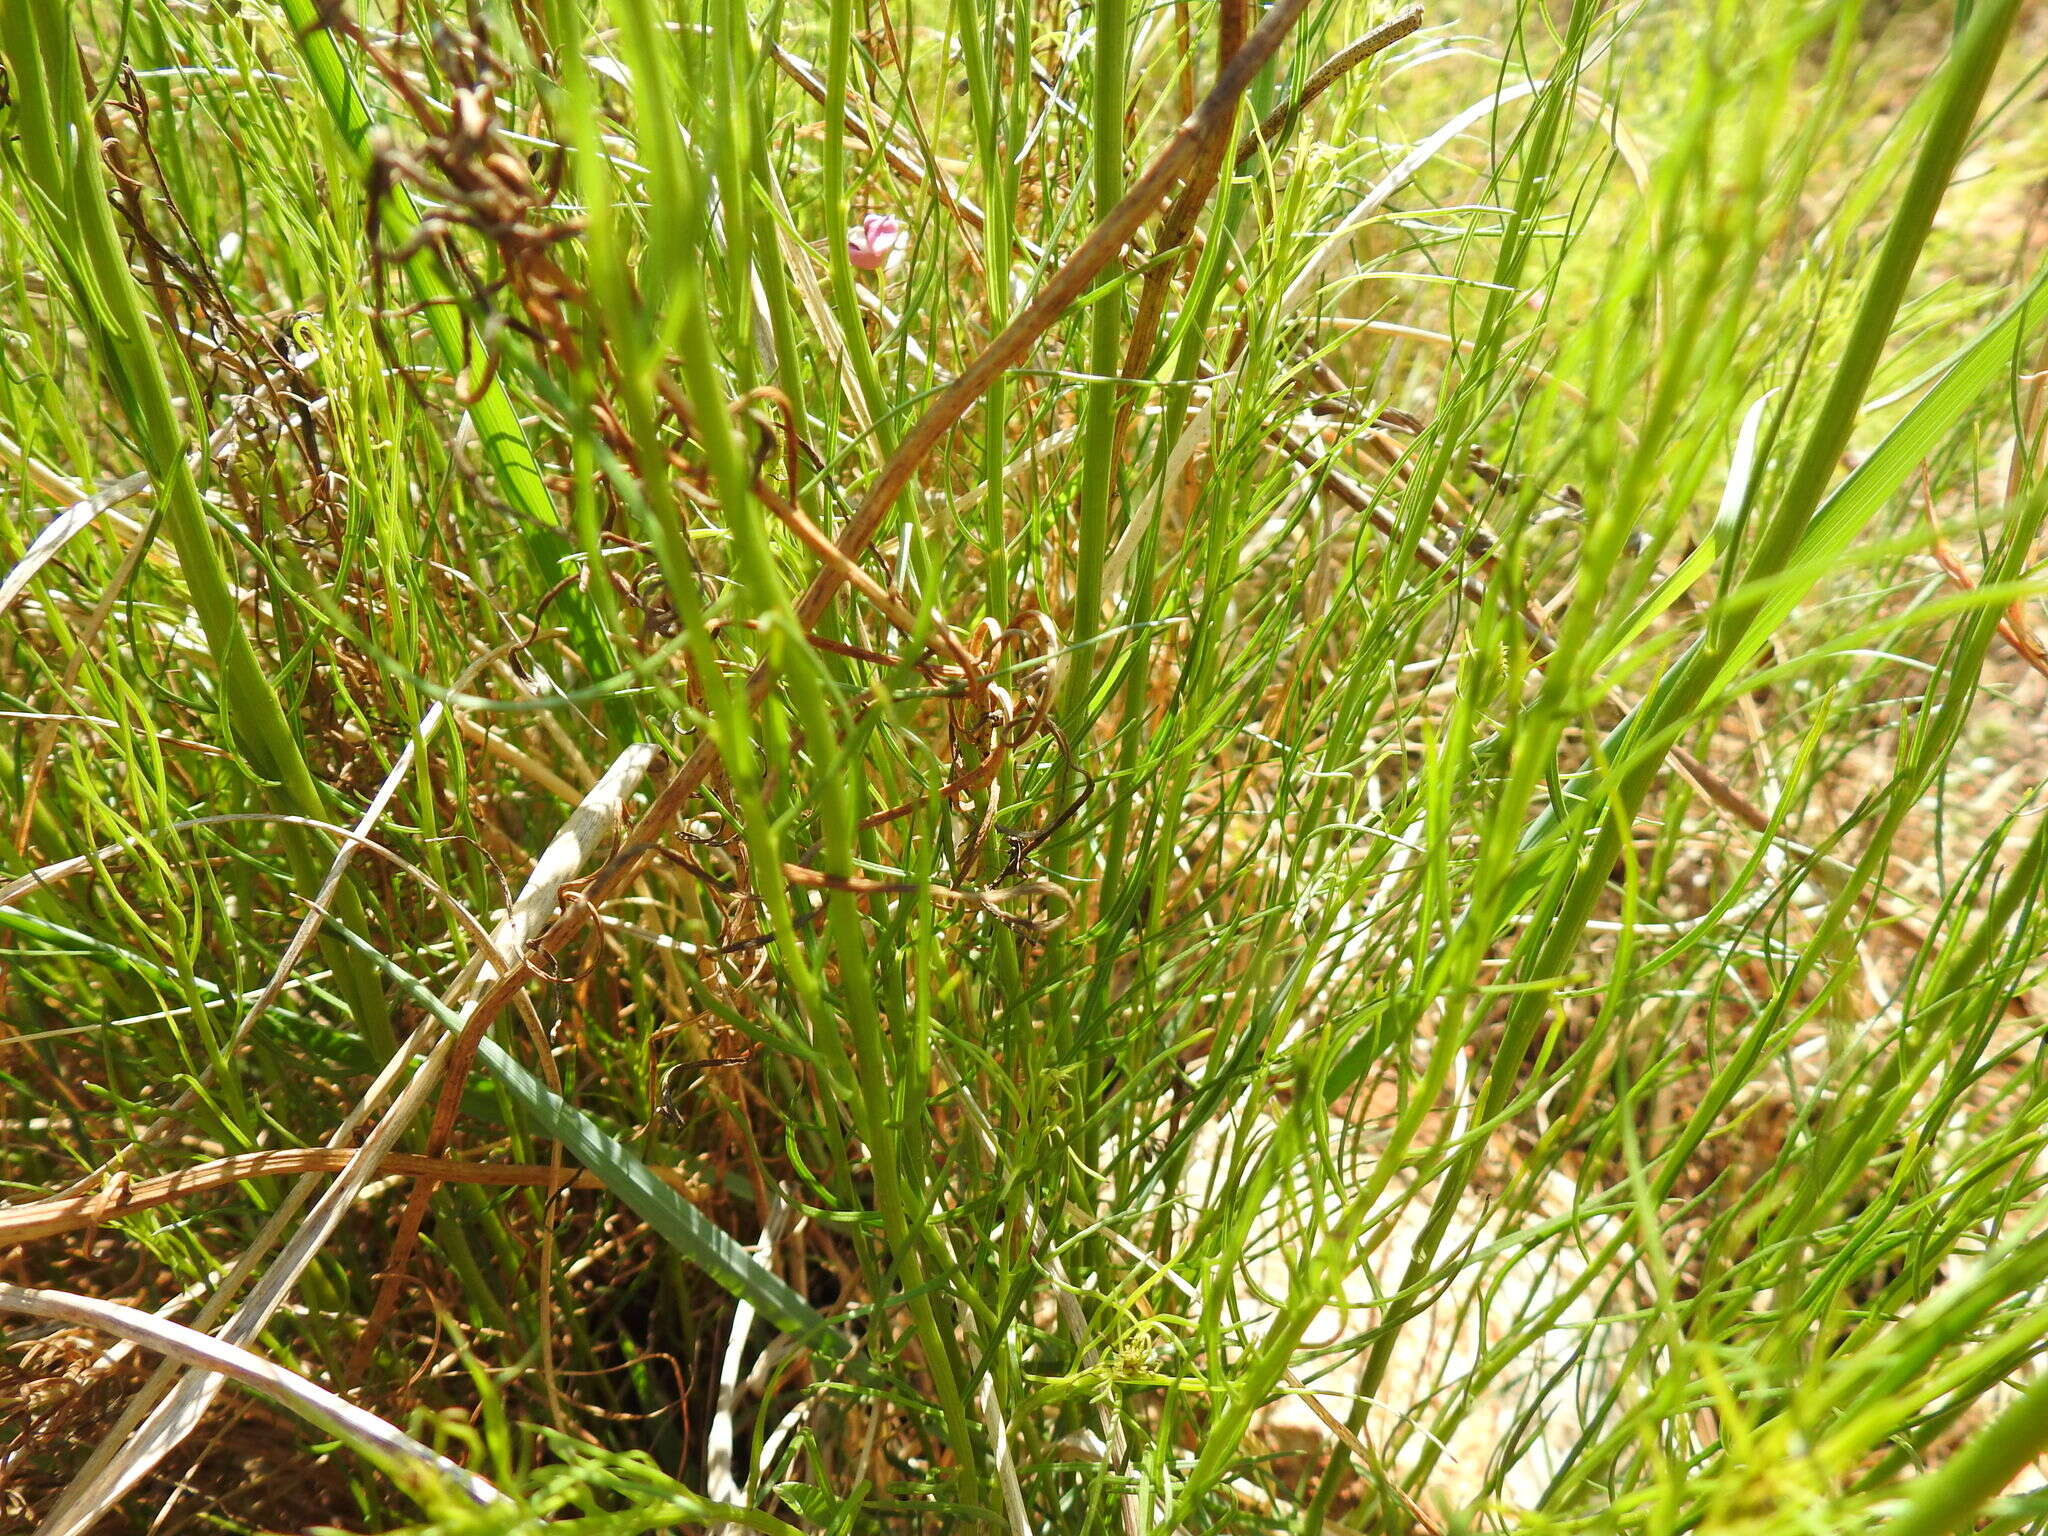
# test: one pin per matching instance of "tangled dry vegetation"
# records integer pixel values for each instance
(1022, 767)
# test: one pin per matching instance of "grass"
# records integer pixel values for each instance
(1325, 827)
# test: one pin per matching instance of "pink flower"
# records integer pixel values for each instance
(875, 243)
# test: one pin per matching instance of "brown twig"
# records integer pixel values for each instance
(1335, 68)
(1179, 222)
(1362, 500)
(72, 1213)
(2014, 624)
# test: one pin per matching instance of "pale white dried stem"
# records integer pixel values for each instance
(83, 507)
(721, 1483)
(1367, 209)
(382, 1443)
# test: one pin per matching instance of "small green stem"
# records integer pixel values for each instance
(1105, 362)
(1948, 1498)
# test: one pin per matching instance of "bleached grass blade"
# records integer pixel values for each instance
(1734, 495)
(61, 530)
(412, 1464)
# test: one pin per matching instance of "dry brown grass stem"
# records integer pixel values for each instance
(124, 1197)
(398, 1451)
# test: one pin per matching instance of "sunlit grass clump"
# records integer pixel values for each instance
(846, 769)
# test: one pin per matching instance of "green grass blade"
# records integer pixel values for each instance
(680, 1224)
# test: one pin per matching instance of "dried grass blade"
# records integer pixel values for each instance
(411, 1463)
